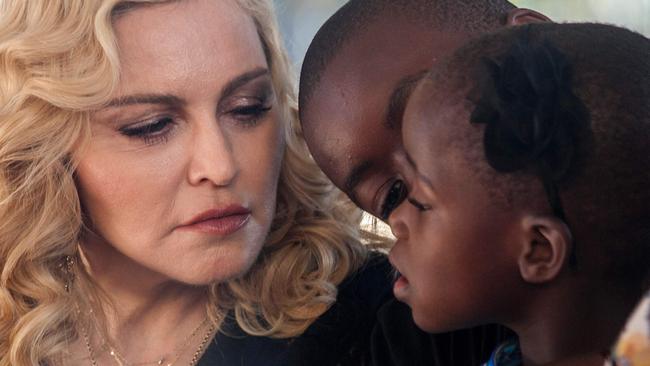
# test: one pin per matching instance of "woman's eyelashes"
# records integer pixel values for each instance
(249, 114)
(153, 131)
(246, 111)
(397, 192)
(249, 105)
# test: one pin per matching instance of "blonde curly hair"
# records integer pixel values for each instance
(58, 63)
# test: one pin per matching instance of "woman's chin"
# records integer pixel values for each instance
(220, 271)
(205, 267)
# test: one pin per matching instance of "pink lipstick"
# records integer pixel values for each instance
(220, 222)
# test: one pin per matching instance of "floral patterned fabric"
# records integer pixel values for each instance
(633, 346)
(507, 354)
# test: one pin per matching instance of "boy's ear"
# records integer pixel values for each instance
(546, 244)
(521, 16)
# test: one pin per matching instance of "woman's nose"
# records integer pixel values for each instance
(212, 159)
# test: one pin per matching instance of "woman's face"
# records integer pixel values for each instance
(181, 172)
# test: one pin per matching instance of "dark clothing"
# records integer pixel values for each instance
(366, 326)
(396, 341)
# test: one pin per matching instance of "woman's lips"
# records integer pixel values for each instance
(220, 222)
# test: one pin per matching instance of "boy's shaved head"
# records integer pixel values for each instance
(589, 85)
(359, 71)
(470, 16)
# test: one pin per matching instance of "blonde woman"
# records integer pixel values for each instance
(157, 205)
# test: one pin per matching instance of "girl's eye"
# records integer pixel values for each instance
(151, 132)
(396, 194)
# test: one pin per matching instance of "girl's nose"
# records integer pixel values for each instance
(397, 221)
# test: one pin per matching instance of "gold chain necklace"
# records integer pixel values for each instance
(122, 362)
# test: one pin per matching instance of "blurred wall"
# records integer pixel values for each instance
(632, 14)
(299, 21)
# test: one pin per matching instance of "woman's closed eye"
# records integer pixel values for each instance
(396, 194)
(250, 104)
(151, 131)
(250, 114)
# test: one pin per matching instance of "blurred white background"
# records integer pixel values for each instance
(300, 19)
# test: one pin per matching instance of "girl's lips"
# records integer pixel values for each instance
(401, 284)
(400, 287)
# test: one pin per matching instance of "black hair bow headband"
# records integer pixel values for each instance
(533, 119)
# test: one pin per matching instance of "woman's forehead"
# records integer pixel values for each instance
(200, 28)
(189, 45)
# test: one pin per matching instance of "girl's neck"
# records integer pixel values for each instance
(572, 324)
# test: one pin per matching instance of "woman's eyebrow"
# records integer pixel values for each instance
(174, 101)
(166, 99)
(243, 79)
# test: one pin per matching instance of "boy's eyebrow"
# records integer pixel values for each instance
(354, 177)
(399, 97)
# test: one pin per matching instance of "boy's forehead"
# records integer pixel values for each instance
(353, 105)
(401, 37)
(383, 36)
(357, 83)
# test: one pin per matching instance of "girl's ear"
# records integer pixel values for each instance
(523, 16)
(545, 247)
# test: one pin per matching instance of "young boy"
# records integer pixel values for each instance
(528, 167)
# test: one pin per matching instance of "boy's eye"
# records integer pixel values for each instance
(396, 194)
